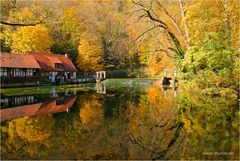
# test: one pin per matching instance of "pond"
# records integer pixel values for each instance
(117, 119)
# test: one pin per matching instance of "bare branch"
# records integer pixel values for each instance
(136, 11)
(21, 24)
(163, 25)
(155, 19)
(139, 4)
(146, 32)
(173, 21)
(151, 51)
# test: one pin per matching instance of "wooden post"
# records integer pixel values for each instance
(104, 72)
(165, 73)
(175, 74)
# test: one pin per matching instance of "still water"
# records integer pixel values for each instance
(131, 121)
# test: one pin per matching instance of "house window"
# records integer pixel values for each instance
(29, 72)
(10, 72)
(22, 72)
(3, 71)
(16, 72)
(69, 75)
(58, 66)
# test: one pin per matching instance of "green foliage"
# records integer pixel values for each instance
(66, 47)
(211, 58)
(210, 123)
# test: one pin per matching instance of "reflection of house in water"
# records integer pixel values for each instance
(60, 104)
(18, 100)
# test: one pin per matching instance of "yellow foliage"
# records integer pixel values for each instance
(90, 55)
(32, 38)
(70, 24)
(187, 124)
(104, 1)
(91, 111)
(34, 129)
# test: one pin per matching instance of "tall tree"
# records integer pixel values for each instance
(90, 54)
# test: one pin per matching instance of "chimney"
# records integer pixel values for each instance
(66, 55)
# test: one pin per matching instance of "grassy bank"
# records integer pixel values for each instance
(110, 83)
(46, 89)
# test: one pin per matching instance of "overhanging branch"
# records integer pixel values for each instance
(21, 24)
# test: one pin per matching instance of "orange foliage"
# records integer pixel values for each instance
(158, 62)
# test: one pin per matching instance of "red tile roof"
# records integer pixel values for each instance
(45, 61)
(9, 60)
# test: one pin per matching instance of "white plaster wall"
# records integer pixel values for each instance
(74, 75)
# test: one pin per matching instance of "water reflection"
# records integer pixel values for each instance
(169, 91)
(101, 88)
(18, 100)
(31, 105)
(126, 123)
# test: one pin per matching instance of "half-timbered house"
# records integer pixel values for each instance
(27, 69)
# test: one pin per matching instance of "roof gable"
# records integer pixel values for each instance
(48, 61)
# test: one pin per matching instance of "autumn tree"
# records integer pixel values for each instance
(90, 54)
(34, 38)
(22, 26)
(213, 38)
(67, 30)
(166, 25)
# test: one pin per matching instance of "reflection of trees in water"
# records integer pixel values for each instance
(212, 126)
(91, 110)
(24, 137)
(127, 126)
(154, 127)
(34, 129)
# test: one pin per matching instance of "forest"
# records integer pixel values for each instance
(197, 38)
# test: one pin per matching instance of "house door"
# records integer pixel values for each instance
(69, 75)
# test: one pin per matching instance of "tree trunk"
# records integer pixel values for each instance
(174, 23)
(228, 32)
(185, 23)
(227, 23)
